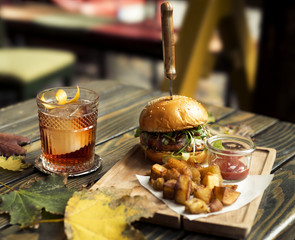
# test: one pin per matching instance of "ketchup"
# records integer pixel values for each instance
(231, 167)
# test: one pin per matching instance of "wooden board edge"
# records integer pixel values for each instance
(171, 220)
(270, 159)
(241, 230)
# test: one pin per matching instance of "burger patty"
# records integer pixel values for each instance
(162, 142)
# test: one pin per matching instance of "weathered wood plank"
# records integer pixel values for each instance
(218, 112)
(152, 231)
(28, 109)
(258, 123)
(109, 101)
(280, 136)
(277, 209)
(122, 120)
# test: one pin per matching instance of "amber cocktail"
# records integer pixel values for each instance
(67, 130)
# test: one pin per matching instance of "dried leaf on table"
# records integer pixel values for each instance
(106, 214)
(25, 205)
(13, 163)
(11, 144)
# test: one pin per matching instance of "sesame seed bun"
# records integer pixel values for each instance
(167, 115)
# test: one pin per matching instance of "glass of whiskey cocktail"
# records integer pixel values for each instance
(67, 129)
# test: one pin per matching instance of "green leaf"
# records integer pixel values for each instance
(13, 163)
(137, 133)
(218, 144)
(25, 205)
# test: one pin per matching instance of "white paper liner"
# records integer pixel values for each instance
(250, 188)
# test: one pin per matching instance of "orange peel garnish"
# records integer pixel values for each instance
(75, 99)
(61, 97)
(42, 98)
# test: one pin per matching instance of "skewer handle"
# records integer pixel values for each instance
(168, 42)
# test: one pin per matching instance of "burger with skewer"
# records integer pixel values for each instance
(174, 127)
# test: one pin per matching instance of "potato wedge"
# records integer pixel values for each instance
(157, 184)
(186, 171)
(174, 163)
(158, 171)
(216, 205)
(183, 189)
(196, 175)
(214, 169)
(226, 195)
(171, 174)
(211, 180)
(203, 193)
(232, 186)
(195, 206)
(169, 189)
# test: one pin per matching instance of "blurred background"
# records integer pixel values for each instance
(236, 53)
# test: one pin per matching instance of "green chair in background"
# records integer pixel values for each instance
(27, 70)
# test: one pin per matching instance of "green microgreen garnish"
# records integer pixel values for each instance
(191, 137)
(137, 133)
(218, 144)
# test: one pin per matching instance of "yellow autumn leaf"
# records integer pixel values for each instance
(105, 214)
(13, 163)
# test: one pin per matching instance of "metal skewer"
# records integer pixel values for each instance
(168, 43)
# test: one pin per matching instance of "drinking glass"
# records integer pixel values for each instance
(67, 131)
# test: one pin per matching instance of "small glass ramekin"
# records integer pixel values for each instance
(232, 154)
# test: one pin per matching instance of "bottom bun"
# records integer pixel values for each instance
(162, 157)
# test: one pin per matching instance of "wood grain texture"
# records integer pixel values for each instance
(218, 112)
(123, 175)
(119, 108)
(111, 152)
(232, 224)
(238, 223)
(258, 123)
(280, 136)
(276, 211)
(111, 99)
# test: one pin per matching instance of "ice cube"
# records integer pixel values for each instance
(79, 111)
(67, 142)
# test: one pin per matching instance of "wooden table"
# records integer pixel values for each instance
(119, 109)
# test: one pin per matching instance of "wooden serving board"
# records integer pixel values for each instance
(235, 224)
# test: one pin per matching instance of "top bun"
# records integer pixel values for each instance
(168, 115)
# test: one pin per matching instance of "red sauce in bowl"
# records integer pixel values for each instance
(231, 167)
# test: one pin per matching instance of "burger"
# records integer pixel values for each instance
(173, 127)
